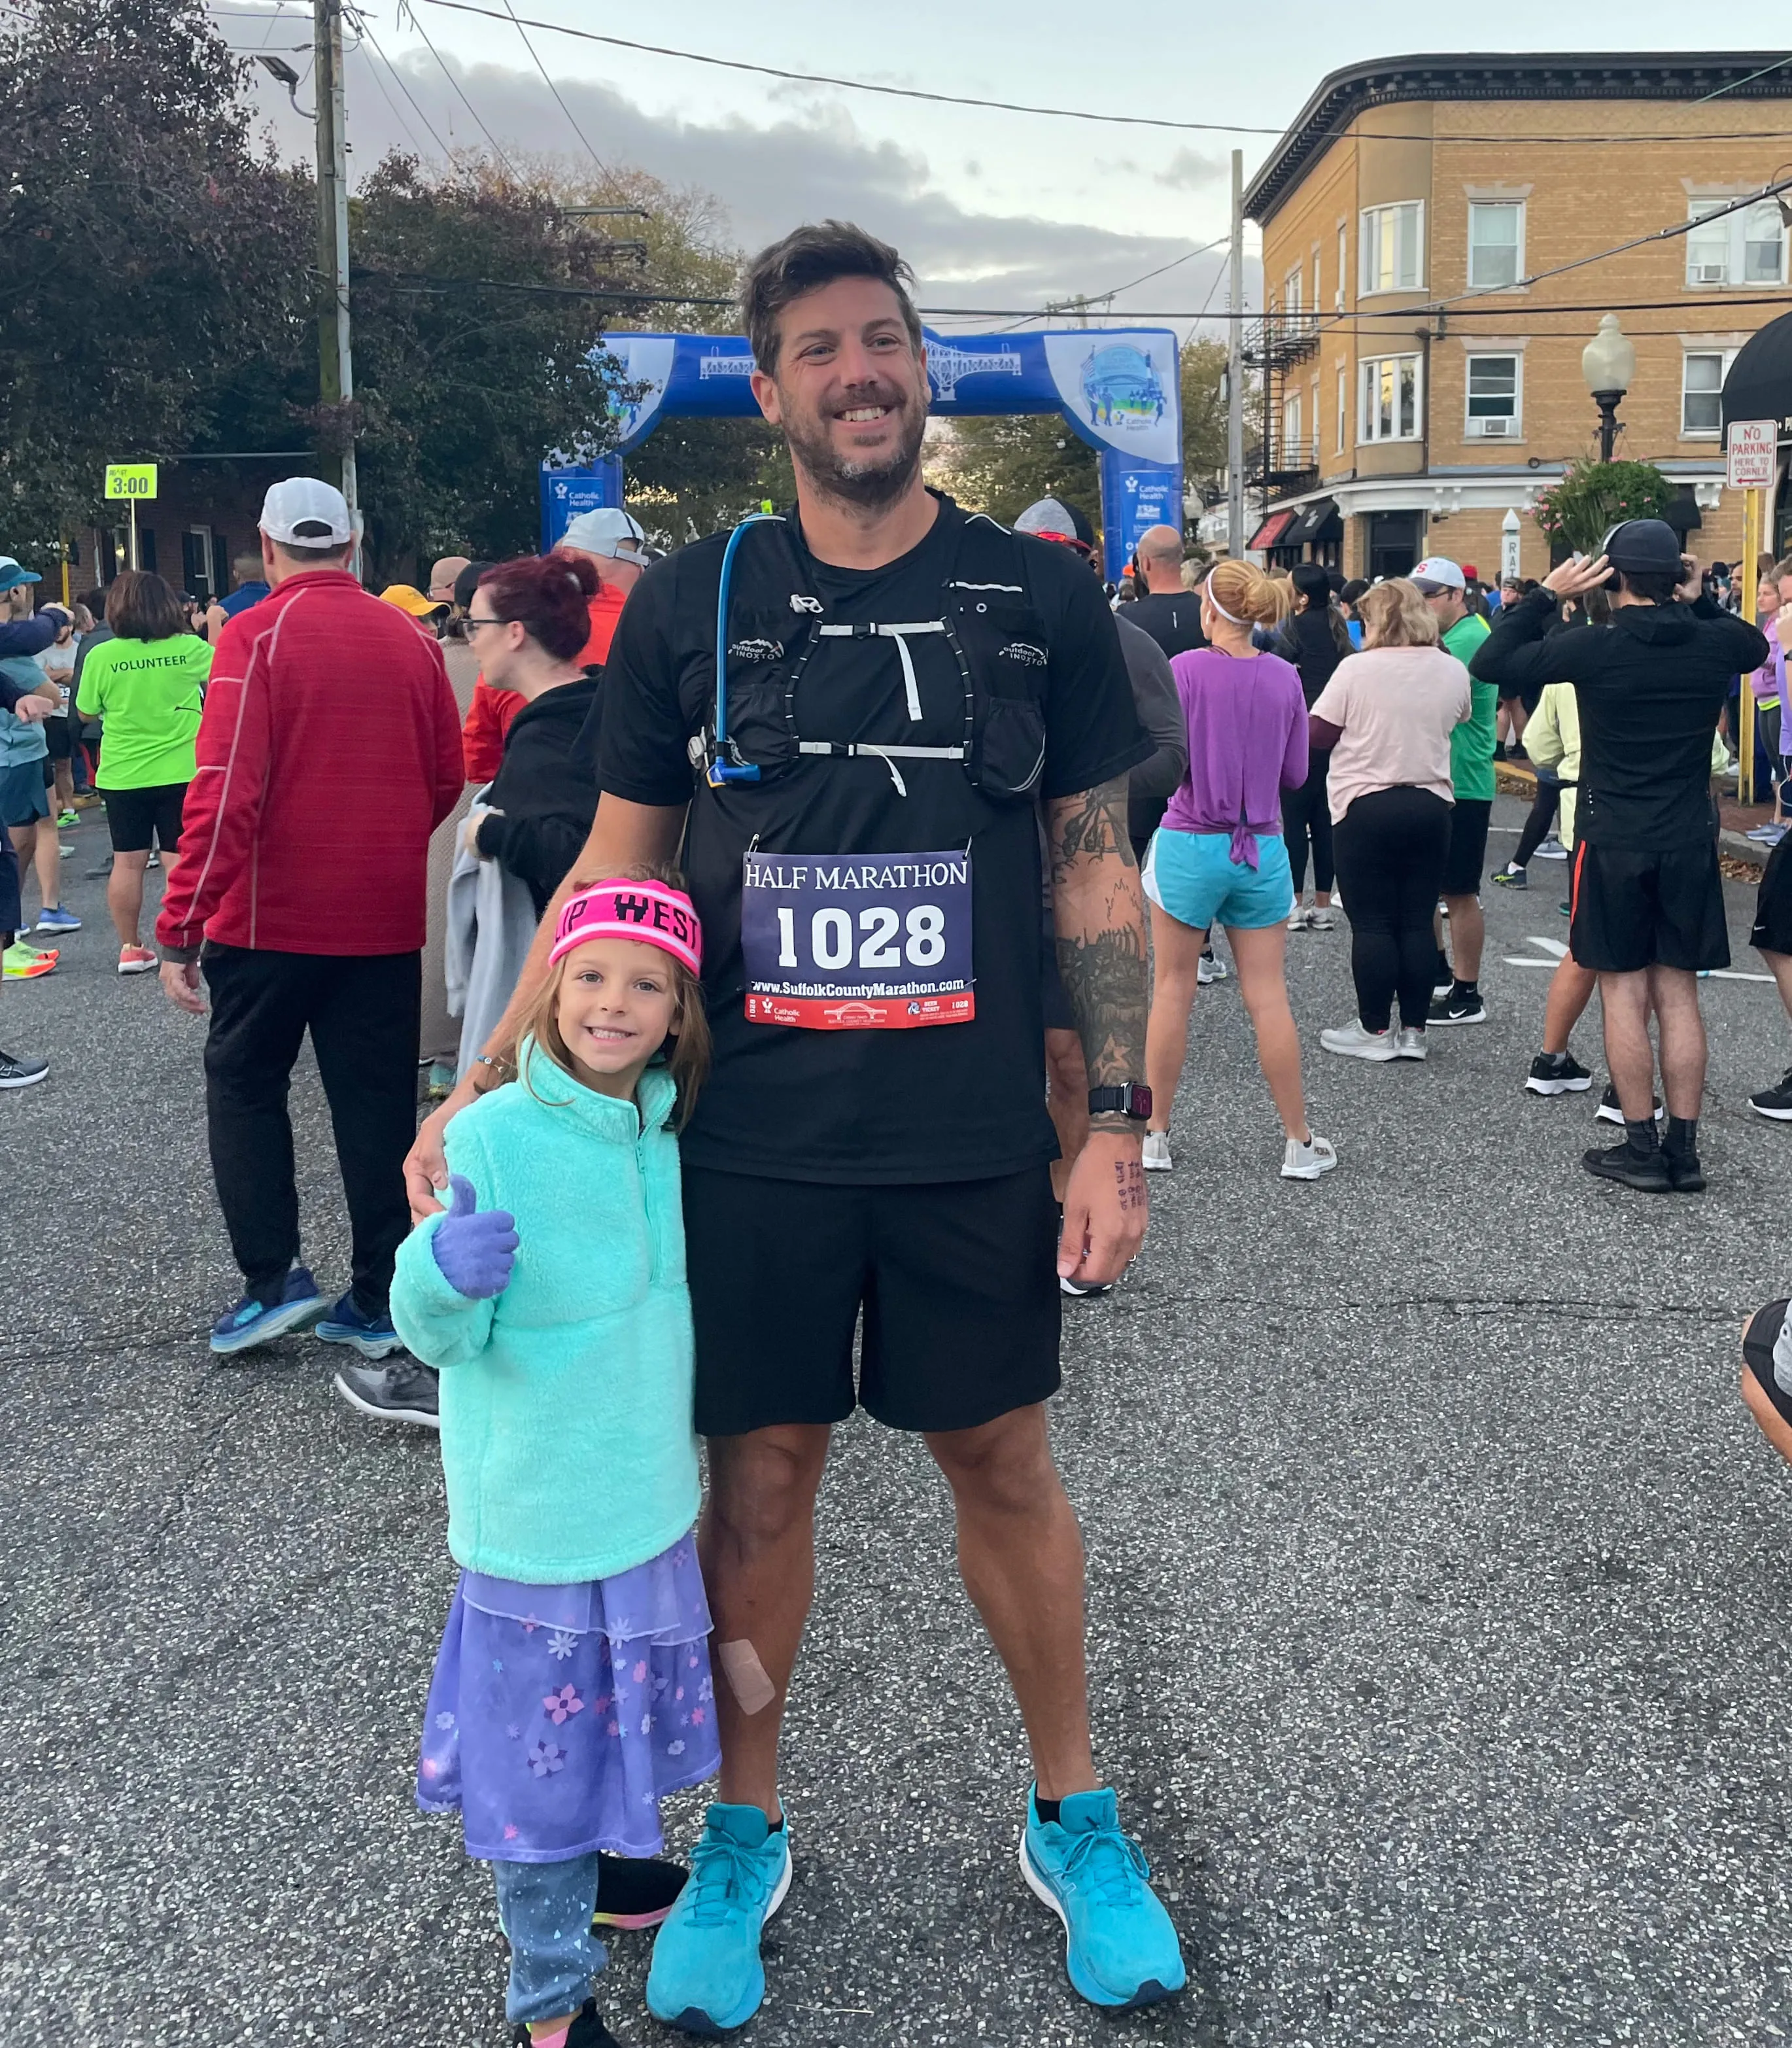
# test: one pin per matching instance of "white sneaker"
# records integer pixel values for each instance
(1552, 849)
(1355, 1043)
(1306, 1162)
(1211, 969)
(1322, 917)
(1300, 919)
(1409, 1045)
(1157, 1152)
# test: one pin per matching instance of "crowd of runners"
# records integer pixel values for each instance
(825, 931)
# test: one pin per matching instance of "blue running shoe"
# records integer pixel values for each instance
(251, 1323)
(372, 1336)
(52, 917)
(1119, 1945)
(706, 1976)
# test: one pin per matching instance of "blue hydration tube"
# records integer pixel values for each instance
(721, 769)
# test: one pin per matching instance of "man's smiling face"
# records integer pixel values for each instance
(849, 391)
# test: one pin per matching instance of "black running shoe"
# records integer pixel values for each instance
(586, 2031)
(634, 1892)
(1082, 1290)
(1459, 1006)
(1511, 876)
(18, 1072)
(1557, 1074)
(400, 1391)
(1609, 1112)
(1684, 1175)
(1774, 1104)
(1647, 1171)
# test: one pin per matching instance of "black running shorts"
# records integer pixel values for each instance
(133, 815)
(56, 737)
(1466, 858)
(957, 1282)
(1773, 904)
(1634, 908)
(1757, 1342)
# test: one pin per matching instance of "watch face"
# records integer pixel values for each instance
(1138, 1101)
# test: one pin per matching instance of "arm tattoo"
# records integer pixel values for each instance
(1100, 928)
(1129, 1178)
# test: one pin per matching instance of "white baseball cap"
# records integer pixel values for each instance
(607, 529)
(1438, 572)
(305, 512)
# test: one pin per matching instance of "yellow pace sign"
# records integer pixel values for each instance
(130, 479)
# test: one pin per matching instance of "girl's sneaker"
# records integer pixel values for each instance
(136, 959)
(1355, 1043)
(587, 2032)
(1157, 1152)
(1306, 1162)
(1300, 919)
(1322, 917)
(634, 1892)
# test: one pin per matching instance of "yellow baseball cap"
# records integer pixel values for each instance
(409, 598)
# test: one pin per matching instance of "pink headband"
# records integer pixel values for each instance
(650, 912)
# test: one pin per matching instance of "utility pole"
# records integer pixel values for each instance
(1234, 371)
(336, 365)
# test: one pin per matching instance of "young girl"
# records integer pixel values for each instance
(572, 1690)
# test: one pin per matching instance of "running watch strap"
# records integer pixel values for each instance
(1131, 1098)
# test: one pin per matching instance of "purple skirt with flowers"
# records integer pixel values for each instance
(560, 1717)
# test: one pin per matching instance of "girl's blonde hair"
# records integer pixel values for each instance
(1393, 614)
(1244, 591)
(686, 1052)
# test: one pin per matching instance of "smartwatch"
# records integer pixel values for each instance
(1131, 1098)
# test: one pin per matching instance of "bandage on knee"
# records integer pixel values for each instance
(746, 1678)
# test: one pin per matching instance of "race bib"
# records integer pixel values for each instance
(868, 942)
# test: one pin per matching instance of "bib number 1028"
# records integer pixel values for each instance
(884, 939)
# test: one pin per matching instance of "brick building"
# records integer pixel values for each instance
(1422, 377)
(204, 514)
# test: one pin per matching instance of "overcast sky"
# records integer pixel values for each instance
(996, 210)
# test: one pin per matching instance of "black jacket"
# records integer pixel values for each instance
(1650, 687)
(1171, 617)
(546, 787)
(1310, 640)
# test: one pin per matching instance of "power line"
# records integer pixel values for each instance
(398, 80)
(465, 102)
(555, 90)
(1779, 63)
(373, 70)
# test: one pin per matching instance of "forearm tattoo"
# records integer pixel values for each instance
(1129, 1177)
(1100, 928)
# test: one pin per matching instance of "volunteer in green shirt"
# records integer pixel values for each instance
(1443, 586)
(147, 683)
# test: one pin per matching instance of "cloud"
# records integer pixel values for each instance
(1189, 171)
(804, 159)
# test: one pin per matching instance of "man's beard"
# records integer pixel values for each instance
(867, 486)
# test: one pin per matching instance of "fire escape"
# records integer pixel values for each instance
(1284, 463)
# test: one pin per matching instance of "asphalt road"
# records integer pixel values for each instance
(1437, 1592)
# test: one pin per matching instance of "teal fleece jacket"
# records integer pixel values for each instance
(566, 1402)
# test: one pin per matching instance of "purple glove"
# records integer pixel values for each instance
(474, 1248)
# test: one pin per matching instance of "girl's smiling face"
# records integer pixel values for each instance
(617, 1006)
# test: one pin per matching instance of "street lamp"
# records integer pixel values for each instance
(1608, 363)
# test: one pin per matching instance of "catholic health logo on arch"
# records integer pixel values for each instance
(1120, 388)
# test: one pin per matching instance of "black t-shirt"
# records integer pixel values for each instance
(1172, 617)
(951, 1101)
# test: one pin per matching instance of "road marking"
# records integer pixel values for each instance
(1556, 952)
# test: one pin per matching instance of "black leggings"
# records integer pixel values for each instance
(1306, 815)
(1391, 847)
(1543, 807)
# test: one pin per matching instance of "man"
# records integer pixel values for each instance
(1149, 788)
(1443, 585)
(24, 793)
(840, 1161)
(251, 588)
(1648, 895)
(1170, 613)
(57, 661)
(25, 702)
(616, 546)
(327, 753)
(427, 613)
(442, 576)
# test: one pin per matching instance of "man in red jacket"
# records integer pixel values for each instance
(328, 752)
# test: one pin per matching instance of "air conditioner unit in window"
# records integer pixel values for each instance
(1710, 273)
(1494, 430)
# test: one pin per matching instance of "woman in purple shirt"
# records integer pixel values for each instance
(1220, 857)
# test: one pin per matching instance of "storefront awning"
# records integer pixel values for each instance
(1316, 522)
(1270, 532)
(1760, 385)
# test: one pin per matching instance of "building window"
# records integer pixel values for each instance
(1293, 456)
(1745, 247)
(1344, 407)
(1390, 399)
(1291, 292)
(1494, 385)
(1343, 265)
(1495, 243)
(1393, 248)
(1702, 372)
(1315, 301)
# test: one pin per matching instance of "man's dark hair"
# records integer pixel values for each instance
(1656, 589)
(806, 259)
(143, 606)
(94, 600)
(313, 556)
(247, 567)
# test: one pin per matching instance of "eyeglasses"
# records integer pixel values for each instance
(473, 624)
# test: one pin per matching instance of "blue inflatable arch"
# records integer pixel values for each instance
(1118, 389)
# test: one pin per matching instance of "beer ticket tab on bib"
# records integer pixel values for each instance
(857, 942)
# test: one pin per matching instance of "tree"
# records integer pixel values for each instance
(1002, 465)
(153, 267)
(1592, 497)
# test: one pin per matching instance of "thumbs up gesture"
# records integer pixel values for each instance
(474, 1248)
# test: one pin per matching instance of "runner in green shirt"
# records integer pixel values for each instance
(1443, 586)
(147, 683)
